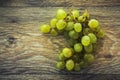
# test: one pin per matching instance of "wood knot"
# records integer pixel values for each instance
(11, 40)
(108, 56)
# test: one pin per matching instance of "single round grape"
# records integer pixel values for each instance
(60, 24)
(101, 33)
(61, 14)
(77, 67)
(78, 47)
(89, 58)
(85, 40)
(73, 34)
(54, 32)
(53, 22)
(45, 28)
(71, 42)
(61, 57)
(83, 64)
(88, 48)
(60, 65)
(93, 37)
(67, 52)
(75, 13)
(69, 26)
(77, 27)
(93, 23)
(69, 64)
(81, 19)
(86, 31)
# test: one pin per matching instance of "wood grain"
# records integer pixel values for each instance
(26, 54)
(58, 3)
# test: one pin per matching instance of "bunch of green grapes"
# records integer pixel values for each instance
(82, 34)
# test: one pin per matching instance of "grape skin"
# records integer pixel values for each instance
(85, 40)
(93, 38)
(53, 22)
(69, 26)
(67, 52)
(73, 34)
(93, 23)
(60, 65)
(75, 13)
(88, 48)
(89, 58)
(45, 28)
(69, 64)
(77, 27)
(61, 14)
(78, 47)
(60, 24)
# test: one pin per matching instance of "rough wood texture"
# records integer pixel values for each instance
(56, 3)
(26, 54)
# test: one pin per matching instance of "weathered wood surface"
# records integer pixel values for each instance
(26, 54)
(54, 3)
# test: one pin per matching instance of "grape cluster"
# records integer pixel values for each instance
(82, 34)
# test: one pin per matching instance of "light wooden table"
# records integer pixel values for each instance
(26, 54)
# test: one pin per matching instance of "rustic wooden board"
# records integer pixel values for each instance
(56, 3)
(26, 54)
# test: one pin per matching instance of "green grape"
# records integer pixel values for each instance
(69, 26)
(61, 57)
(60, 24)
(89, 58)
(77, 27)
(85, 40)
(78, 47)
(71, 42)
(77, 67)
(53, 22)
(93, 23)
(54, 32)
(76, 58)
(83, 64)
(81, 19)
(61, 14)
(75, 13)
(45, 28)
(67, 52)
(88, 48)
(73, 34)
(68, 18)
(86, 31)
(93, 37)
(60, 65)
(101, 33)
(69, 64)
(86, 14)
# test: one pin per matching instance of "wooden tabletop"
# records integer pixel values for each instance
(27, 54)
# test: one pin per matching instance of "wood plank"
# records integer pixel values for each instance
(56, 3)
(23, 49)
(61, 77)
